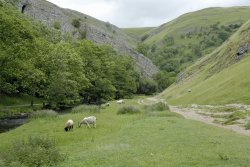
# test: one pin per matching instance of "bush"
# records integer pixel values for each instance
(160, 106)
(147, 86)
(247, 126)
(57, 25)
(83, 34)
(86, 108)
(76, 23)
(44, 114)
(128, 110)
(35, 152)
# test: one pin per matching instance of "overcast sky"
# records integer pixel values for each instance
(142, 13)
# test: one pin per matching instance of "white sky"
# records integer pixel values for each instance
(142, 13)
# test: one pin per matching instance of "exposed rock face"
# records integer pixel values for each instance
(97, 31)
(242, 50)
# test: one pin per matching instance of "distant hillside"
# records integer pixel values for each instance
(177, 44)
(218, 78)
(139, 34)
(82, 26)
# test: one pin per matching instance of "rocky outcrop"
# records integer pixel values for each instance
(90, 28)
(242, 50)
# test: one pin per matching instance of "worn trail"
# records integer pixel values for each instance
(196, 114)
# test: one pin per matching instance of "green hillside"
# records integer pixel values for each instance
(179, 43)
(138, 33)
(218, 78)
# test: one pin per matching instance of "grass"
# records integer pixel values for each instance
(43, 114)
(216, 78)
(205, 17)
(138, 33)
(137, 140)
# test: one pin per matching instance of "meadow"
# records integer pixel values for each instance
(140, 139)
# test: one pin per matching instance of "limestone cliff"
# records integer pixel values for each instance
(83, 26)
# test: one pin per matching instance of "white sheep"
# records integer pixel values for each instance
(69, 125)
(88, 121)
(120, 101)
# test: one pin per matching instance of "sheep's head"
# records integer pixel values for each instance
(79, 125)
(66, 129)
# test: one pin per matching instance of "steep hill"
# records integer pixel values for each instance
(177, 44)
(218, 78)
(83, 26)
(139, 34)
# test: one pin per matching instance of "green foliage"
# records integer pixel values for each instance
(247, 126)
(57, 25)
(168, 40)
(144, 37)
(193, 38)
(147, 86)
(43, 114)
(143, 49)
(164, 79)
(37, 61)
(216, 78)
(36, 151)
(76, 23)
(160, 106)
(128, 110)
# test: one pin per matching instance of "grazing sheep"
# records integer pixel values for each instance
(69, 125)
(189, 90)
(120, 101)
(107, 104)
(87, 121)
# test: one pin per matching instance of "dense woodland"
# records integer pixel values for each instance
(44, 63)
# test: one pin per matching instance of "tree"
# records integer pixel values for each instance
(164, 79)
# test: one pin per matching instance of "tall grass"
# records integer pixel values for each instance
(34, 152)
(43, 114)
(128, 110)
(86, 108)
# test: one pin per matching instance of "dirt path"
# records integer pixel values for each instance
(193, 115)
(198, 115)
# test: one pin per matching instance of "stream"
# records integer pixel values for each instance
(7, 124)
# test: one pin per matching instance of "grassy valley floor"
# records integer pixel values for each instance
(138, 140)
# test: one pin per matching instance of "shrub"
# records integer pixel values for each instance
(247, 126)
(144, 37)
(76, 23)
(35, 152)
(147, 86)
(57, 25)
(86, 108)
(83, 34)
(44, 114)
(160, 106)
(128, 110)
